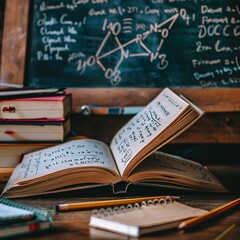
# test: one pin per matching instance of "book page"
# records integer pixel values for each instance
(72, 154)
(175, 166)
(145, 126)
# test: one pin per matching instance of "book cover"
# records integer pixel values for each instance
(11, 93)
(34, 130)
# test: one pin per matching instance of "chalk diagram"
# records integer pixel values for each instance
(126, 50)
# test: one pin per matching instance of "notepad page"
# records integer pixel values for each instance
(148, 216)
(8, 212)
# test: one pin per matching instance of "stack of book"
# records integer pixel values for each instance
(30, 120)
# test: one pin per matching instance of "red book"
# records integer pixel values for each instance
(49, 107)
(36, 130)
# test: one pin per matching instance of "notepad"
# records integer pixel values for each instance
(11, 211)
(146, 219)
(18, 219)
(8, 212)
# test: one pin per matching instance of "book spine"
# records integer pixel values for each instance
(5, 173)
(120, 187)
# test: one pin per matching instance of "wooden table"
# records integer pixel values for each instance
(74, 225)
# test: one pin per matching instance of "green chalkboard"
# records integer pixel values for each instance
(137, 43)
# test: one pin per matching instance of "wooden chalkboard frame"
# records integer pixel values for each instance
(13, 65)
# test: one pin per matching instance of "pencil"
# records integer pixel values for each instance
(190, 223)
(106, 203)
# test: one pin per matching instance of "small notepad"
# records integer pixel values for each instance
(146, 219)
(11, 210)
(18, 219)
(8, 212)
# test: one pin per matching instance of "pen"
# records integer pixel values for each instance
(106, 203)
(190, 223)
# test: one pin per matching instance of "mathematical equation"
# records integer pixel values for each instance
(176, 165)
(71, 155)
(158, 40)
(146, 126)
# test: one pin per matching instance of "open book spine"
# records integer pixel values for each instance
(41, 215)
(104, 212)
(120, 187)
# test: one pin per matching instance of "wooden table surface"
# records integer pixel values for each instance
(74, 225)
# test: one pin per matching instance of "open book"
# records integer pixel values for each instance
(86, 162)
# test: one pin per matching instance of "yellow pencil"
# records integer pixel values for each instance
(190, 223)
(106, 203)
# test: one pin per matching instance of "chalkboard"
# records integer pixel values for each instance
(137, 43)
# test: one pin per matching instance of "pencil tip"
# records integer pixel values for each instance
(181, 226)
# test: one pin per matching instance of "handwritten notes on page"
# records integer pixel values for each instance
(145, 126)
(77, 153)
(172, 167)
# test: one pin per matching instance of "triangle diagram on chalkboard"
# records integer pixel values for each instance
(158, 33)
(112, 51)
(108, 53)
